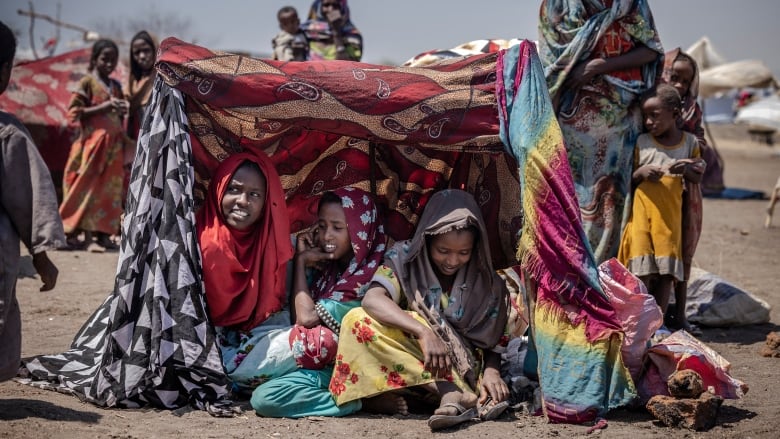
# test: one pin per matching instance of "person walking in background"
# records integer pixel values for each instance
(290, 43)
(666, 159)
(330, 32)
(92, 185)
(28, 212)
(598, 57)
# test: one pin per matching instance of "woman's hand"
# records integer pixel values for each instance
(120, 106)
(435, 356)
(492, 386)
(583, 73)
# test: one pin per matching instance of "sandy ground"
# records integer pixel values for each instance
(734, 245)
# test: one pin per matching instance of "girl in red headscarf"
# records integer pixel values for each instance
(244, 237)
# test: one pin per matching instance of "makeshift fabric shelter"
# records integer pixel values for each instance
(39, 93)
(483, 123)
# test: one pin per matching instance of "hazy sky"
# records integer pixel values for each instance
(394, 31)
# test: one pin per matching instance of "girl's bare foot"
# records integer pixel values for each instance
(451, 395)
(386, 404)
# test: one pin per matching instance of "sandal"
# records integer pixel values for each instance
(438, 422)
(489, 412)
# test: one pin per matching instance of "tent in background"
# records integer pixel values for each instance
(39, 93)
(717, 75)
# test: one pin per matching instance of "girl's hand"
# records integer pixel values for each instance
(120, 106)
(678, 167)
(435, 356)
(649, 172)
(493, 386)
(308, 252)
(694, 170)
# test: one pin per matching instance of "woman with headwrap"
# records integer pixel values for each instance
(244, 237)
(330, 32)
(598, 57)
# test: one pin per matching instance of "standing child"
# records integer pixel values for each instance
(665, 159)
(28, 213)
(290, 43)
(92, 186)
(681, 71)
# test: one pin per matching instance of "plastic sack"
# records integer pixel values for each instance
(714, 302)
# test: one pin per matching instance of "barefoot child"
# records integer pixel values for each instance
(333, 267)
(92, 186)
(666, 158)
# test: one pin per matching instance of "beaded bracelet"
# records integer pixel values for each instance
(327, 318)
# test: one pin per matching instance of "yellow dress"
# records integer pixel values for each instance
(652, 238)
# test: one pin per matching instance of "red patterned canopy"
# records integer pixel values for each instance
(332, 124)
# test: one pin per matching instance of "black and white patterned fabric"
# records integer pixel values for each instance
(150, 343)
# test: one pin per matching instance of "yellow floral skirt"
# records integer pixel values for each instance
(374, 358)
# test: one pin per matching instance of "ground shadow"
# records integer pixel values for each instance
(730, 415)
(744, 335)
(15, 409)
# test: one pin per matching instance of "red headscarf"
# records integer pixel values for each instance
(244, 272)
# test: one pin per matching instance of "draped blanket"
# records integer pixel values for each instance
(576, 331)
(401, 133)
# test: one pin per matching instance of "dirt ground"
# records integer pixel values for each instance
(734, 245)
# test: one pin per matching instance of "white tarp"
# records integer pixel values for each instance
(763, 113)
(747, 73)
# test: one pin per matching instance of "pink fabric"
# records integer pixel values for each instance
(681, 351)
(313, 348)
(637, 312)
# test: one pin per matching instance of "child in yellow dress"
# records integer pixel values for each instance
(665, 158)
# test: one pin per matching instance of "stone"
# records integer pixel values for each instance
(685, 384)
(694, 414)
(772, 346)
